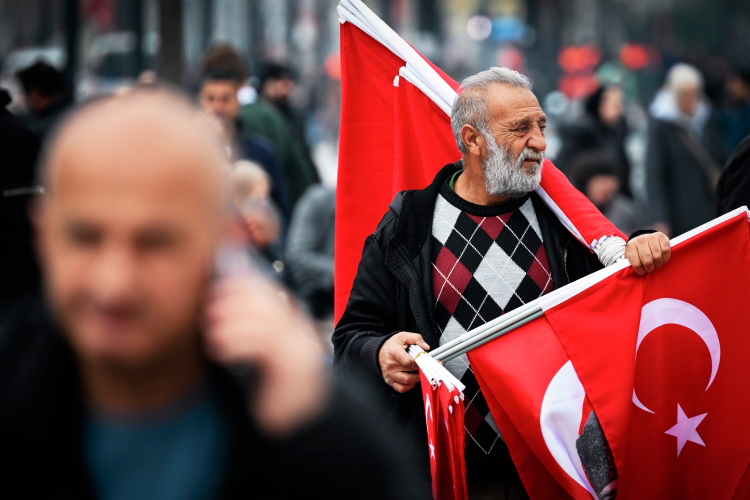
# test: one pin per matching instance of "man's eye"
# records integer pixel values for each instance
(84, 236)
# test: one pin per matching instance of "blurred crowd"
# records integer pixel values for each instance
(282, 220)
(284, 214)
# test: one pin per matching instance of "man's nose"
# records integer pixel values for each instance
(537, 141)
(115, 274)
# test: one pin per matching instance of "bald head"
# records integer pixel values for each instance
(132, 212)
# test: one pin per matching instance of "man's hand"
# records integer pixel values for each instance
(648, 252)
(398, 367)
(249, 323)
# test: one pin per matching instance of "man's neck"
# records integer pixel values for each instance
(132, 390)
(470, 186)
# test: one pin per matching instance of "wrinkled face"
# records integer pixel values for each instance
(127, 234)
(512, 160)
(219, 97)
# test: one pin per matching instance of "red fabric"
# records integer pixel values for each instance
(514, 372)
(396, 138)
(673, 366)
(597, 330)
(444, 412)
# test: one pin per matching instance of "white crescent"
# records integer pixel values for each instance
(560, 418)
(667, 311)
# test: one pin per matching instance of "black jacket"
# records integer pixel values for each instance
(392, 292)
(343, 454)
(733, 189)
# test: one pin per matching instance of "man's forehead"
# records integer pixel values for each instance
(509, 102)
(135, 137)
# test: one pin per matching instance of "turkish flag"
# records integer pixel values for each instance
(444, 412)
(661, 359)
(395, 137)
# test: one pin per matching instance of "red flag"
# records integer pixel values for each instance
(444, 412)
(395, 137)
(660, 358)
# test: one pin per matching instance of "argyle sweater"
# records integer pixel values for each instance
(486, 261)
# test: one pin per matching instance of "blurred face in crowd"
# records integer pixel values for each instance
(687, 99)
(219, 97)
(738, 89)
(610, 108)
(601, 189)
(512, 163)
(278, 89)
(128, 226)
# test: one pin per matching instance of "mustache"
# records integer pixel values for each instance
(530, 154)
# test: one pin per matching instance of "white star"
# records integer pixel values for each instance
(432, 450)
(685, 429)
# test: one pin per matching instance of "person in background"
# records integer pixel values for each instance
(19, 147)
(597, 177)
(148, 372)
(267, 116)
(733, 189)
(683, 154)
(310, 246)
(46, 97)
(218, 98)
(603, 129)
(735, 117)
(260, 220)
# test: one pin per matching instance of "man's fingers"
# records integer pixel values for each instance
(404, 359)
(655, 248)
(401, 387)
(666, 247)
(408, 338)
(644, 252)
(405, 378)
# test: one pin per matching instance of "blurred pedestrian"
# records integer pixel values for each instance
(310, 246)
(733, 190)
(683, 154)
(597, 177)
(602, 128)
(47, 98)
(268, 117)
(137, 377)
(736, 114)
(19, 272)
(218, 97)
(260, 220)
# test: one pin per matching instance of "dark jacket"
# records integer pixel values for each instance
(733, 190)
(679, 188)
(392, 292)
(19, 147)
(342, 454)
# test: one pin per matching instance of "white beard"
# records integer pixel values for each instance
(504, 175)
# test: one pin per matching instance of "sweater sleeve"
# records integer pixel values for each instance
(370, 316)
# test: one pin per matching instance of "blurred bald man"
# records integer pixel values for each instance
(116, 385)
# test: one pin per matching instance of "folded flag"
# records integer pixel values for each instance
(653, 365)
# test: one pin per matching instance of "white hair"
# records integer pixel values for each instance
(470, 107)
(681, 76)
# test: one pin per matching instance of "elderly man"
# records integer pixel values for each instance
(137, 378)
(477, 243)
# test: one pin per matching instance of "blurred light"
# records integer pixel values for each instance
(573, 59)
(508, 29)
(634, 56)
(510, 57)
(556, 103)
(577, 86)
(332, 66)
(479, 27)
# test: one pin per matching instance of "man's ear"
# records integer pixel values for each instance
(473, 140)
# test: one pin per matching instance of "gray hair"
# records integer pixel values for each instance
(470, 107)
